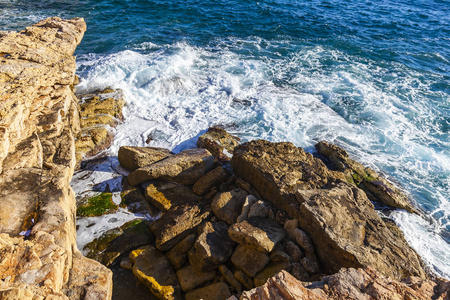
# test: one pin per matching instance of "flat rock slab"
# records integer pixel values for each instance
(227, 206)
(212, 248)
(249, 260)
(258, 233)
(185, 168)
(215, 291)
(165, 195)
(132, 158)
(153, 269)
(177, 223)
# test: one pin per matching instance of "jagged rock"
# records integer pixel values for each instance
(230, 278)
(99, 111)
(134, 200)
(258, 233)
(178, 254)
(118, 241)
(377, 187)
(153, 269)
(246, 281)
(347, 231)
(165, 195)
(277, 170)
(215, 291)
(177, 223)
(189, 277)
(249, 201)
(259, 209)
(132, 158)
(283, 287)
(212, 248)
(219, 142)
(38, 121)
(210, 180)
(249, 260)
(185, 168)
(270, 270)
(227, 206)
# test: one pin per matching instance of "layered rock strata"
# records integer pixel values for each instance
(39, 118)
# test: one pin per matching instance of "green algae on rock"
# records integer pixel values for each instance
(97, 206)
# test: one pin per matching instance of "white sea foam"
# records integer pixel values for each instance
(381, 115)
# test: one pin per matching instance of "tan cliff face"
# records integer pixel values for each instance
(39, 118)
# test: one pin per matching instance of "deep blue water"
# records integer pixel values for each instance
(371, 76)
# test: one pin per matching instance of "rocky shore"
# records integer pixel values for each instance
(254, 220)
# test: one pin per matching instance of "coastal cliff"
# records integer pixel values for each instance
(39, 118)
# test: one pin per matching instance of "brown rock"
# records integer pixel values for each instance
(189, 277)
(227, 206)
(249, 260)
(135, 201)
(349, 232)
(165, 195)
(178, 254)
(270, 270)
(210, 180)
(259, 209)
(258, 233)
(302, 239)
(377, 187)
(230, 278)
(249, 201)
(212, 248)
(215, 291)
(246, 281)
(277, 170)
(185, 168)
(219, 142)
(293, 251)
(283, 287)
(177, 223)
(153, 269)
(132, 158)
(311, 266)
(299, 272)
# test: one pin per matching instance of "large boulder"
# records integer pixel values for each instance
(348, 232)
(177, 223)
(257, 233)
(278, 170)
(185, 168)
(219, 142)
(377, 187)
(153, 269)
(212, 248)
(132, 158)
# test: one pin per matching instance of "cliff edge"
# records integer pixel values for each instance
(39, 118)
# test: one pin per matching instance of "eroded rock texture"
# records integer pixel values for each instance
(38, 121)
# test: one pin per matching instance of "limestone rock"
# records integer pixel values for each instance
(249, 260)
(258, 233)
(219, 142)
(177, 223)
(246, 281)
(302, 239)
(210, 180)
(311, 266)
(165, 195)
(348, 232)
(178, 254)
(299, 272)
(230, 278)
(185, 168)
(132, 158)
(153, 269)
(278, 170)
(249, 201)
(293, 251)
(212, 248)
(259, 209)
(134, 200)
(189, 277)
(215, 291)
(227, 206)
(377, 187)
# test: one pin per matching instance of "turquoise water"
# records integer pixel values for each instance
(373, 77)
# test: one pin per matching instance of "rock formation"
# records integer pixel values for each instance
(39, 118)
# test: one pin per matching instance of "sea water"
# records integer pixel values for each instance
(370, 76)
